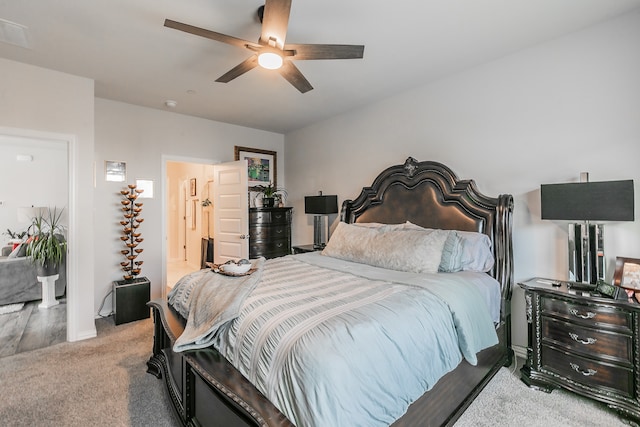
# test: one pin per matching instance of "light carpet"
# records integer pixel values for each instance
(96, 382)
(103, 381)
(507, 401)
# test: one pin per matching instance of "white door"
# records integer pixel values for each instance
(230, 211)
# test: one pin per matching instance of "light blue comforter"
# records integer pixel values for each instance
(330, 348)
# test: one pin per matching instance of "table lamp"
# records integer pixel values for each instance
(320, 206)
(586, 202)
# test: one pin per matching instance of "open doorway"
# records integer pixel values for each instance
(189, 225)
(26, 323)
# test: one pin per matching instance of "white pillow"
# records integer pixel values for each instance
(418, 251)
(476, 252)
(473, 253)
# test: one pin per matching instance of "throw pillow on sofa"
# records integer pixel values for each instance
(20, 251)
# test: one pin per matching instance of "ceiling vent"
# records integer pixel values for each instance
(14, 34)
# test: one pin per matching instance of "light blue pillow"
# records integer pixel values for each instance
(465, 251)
(451, 260)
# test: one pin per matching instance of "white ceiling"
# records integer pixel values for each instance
(124, 47)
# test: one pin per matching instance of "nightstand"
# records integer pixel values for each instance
(583, 342)
(301, 249)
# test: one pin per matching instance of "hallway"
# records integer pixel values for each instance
(175, 270)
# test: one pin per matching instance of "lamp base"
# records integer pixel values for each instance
(586, 252)
(318, 241)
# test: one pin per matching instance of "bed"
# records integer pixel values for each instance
(205, 388)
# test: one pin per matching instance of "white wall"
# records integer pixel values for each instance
(44, 104)
(542, 115)
(146, 138)
(41, 181)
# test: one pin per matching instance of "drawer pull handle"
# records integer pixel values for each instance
(279, 245)
(588, 315)
(279, 231)
(587, 373)
(576, 338)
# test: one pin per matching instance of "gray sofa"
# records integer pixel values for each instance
(19, 283)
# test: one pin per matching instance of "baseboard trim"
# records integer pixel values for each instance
(519, 351)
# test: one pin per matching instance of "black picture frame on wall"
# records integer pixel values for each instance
(262, 166)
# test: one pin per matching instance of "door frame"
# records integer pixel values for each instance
(73, 301)
(163, 200)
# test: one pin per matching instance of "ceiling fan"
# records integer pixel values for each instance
(270, 51)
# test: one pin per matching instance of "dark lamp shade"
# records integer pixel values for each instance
(321, 205)
(588, 201)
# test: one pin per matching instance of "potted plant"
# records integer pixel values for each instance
(47, 246)
(270, 194)
(16, 237)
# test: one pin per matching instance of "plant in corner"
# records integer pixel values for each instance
(270, 194)
(47, 246)
(15, 235)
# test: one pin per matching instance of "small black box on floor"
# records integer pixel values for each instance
(130, 298)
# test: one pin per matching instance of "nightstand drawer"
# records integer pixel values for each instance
(269, 249)
(593, 343)
(602, 315)
(588, 372)
(275, 216)
(269, 232)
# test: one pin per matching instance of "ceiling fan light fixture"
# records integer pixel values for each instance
(270, 60)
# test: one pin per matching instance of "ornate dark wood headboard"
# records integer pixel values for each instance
(431, 195)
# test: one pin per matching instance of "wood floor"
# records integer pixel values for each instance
(177, 269)
(32, 328)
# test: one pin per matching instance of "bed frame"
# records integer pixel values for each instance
(206, 390)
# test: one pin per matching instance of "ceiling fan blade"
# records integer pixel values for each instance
(275, 21)
(326, 51)
(239, 69)
(208, 34)
(291, 73)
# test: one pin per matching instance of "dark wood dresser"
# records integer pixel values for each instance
(269, 232)
(583, 342)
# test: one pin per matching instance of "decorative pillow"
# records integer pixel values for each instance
(473, 253)
(451, 260)
(378, 225)
(15, 253)
(476, 252)
(23, 249)
(419, 251)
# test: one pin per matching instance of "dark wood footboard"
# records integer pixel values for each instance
(204, 388)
